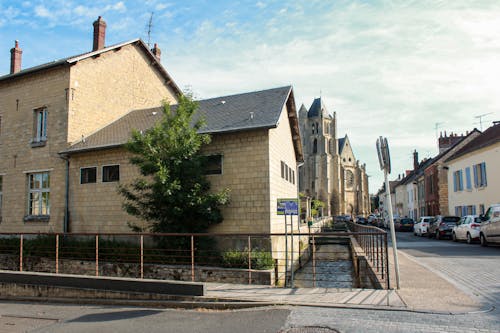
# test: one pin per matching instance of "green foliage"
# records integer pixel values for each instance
(173, 193)
(315, 206)
(239, 259)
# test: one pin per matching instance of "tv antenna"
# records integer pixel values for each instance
(150, 26)
(436, 126)
(480, 117)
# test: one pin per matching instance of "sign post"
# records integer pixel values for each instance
(385, 164)
(288, 207)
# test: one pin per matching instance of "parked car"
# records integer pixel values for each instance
(490, 228)
(442, 226)
(361, 220)
(468, 228)
(404, 224)
(420, 228)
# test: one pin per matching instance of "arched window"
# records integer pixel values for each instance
(313, 129)
(317, 128)
(315, 146)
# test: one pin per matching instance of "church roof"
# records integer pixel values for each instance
(341, 144)
(317, 107)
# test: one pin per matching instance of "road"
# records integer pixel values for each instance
(474, 269)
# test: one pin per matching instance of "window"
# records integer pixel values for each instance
(458, 210)
(88, 175)
(315, 146)
(1, 186)
(213, 165)
(471, 210)
(480, 175)
(40, 125)
(293, 177)
(313, 129)
(39, 194)
(110, 173)
(317, 128)
(481, 209)
(468, 183)
(458, 184)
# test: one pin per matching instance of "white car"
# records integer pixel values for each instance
(420, 228)
(467, 228)
(490, 228)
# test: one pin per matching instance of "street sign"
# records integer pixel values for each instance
(288, 206)
(384, 156)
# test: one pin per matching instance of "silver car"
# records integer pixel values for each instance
(467, 228)
(421, 227)
(490, 228)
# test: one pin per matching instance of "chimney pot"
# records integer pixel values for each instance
(157, 52)
(99, 34)
(15, 58)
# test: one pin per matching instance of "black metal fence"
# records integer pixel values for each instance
(318, 259)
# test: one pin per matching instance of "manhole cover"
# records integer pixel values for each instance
(309, 329)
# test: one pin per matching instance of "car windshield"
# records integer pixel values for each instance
(453, 219)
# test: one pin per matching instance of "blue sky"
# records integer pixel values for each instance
(394, 68)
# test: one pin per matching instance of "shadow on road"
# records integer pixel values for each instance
(111, 316)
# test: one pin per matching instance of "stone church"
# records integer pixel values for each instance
(330, 171)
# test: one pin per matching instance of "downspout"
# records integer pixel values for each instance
(66, 194)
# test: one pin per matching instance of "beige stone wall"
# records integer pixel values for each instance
(97, 207)
(18, 100)
(107, 87)
(245, 173)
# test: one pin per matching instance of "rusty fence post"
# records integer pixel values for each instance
(314, 261)
(96, 255)
(57, 253)
(21, 253)
(142, 256)
(249, 260)
(192, 258)
(387, 261)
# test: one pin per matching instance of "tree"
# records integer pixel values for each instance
(173, 193)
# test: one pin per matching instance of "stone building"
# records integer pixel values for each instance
(63, 126)
(330, 171)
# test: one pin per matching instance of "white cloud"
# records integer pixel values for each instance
(41, 11)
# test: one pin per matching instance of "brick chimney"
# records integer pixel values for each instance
(447, 141)
(157, 52)
(15, 58)
(99, 34)
(415, 160)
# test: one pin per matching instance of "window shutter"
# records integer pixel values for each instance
(455, 181)
(464, 210)
(483, 174)
(476, 182)
(467, 178)
(474, 210)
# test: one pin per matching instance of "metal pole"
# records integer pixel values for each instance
(391, 224)
(249, 261)
(192, 258)
(291, 250)
(57, 254)
(21, 254)
(142, 256)
(96, 255)
(286, 253)
(314, 261)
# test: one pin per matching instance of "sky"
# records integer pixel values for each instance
(403, 69)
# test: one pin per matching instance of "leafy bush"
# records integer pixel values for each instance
(239, 259)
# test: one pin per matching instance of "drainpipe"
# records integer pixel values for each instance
(66, 194)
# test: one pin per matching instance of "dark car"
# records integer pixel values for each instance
(442, 226)
(404, 224)
(361, 220)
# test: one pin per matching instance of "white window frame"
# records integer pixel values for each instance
(39, 206)
(40, 123)
(102, 173)
(89, 167)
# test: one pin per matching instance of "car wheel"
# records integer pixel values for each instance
(437, 234)
(454, 237)
(483, 240)
(429, 235)
(469, 239)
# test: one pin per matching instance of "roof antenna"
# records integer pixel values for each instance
(150, 26)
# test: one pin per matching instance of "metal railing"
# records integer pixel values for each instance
(319, 259)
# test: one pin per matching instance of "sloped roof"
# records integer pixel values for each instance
(341, 143)
(316, 108)
(74, 59)
(234, 113)
(489, 137)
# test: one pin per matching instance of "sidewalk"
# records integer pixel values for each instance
(420, 290)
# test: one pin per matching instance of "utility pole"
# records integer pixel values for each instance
(480, 117)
